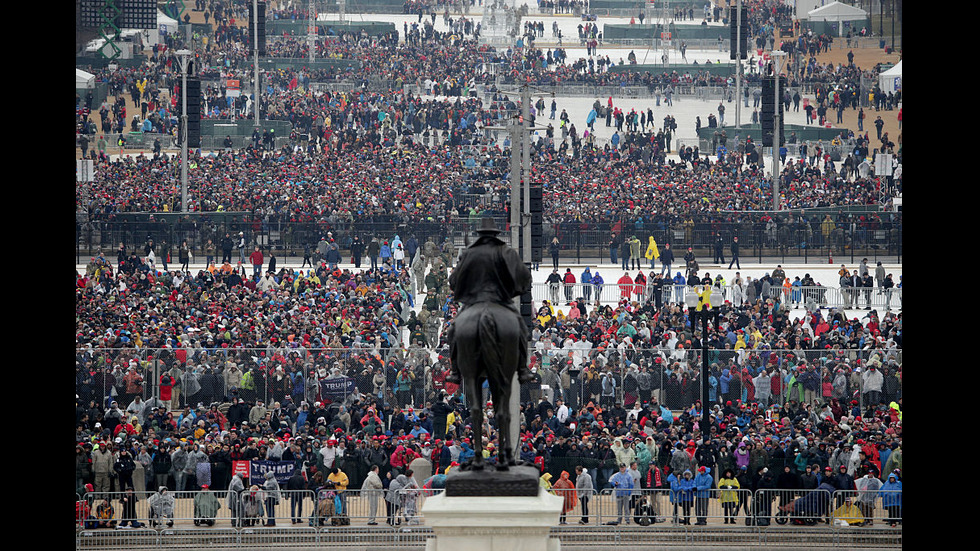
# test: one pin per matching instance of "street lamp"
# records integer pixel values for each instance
(700, 305)
(183, 55)
(777, 57)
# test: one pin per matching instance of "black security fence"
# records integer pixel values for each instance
(798, 236)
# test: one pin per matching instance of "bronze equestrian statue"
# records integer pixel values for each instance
(488, 337)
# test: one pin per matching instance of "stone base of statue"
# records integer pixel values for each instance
(486, 522)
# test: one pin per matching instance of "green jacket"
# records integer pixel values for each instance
(248, 381)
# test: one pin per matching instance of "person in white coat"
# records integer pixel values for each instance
(584, 487)
(373, 489)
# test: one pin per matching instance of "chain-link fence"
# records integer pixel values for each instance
(200, 377)
(607, 374)
(289, 240)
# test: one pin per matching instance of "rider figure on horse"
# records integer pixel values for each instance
(489, 271)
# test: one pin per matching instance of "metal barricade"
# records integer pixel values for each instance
(682, 508)
(256, 505)
(840, 509)
(170, 509)
(117, 539)
(865, 508)
(866, 298)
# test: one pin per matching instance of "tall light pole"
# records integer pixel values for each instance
(255, 53)
(311, 28)
(526, 162)
(777, 56)
(738, 61)
(183, 55)
(520, 179)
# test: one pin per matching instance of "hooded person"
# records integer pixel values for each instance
(410, 498)
(584, 489)
(564, 489)
(544, 481)
(891, 499)
(394, 497)
(683, 490)
(729, 486)
(624, 455)
(681, 460)
(703, 481)
(854, 461)
(251, 505)
(848, 513)
(161, 506)
(868, 487)
(206, 506)
(272, 497)
(652, 252)
(843, 482)
(235, 489)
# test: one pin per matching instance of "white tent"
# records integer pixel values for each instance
(835, 12)
(165, 25)
(83, 79)
(891, 80)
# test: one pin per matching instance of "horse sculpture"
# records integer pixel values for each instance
(488, 337)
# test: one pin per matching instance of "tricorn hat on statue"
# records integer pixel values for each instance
(488, 227)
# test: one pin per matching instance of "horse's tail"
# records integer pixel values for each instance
(489, 354)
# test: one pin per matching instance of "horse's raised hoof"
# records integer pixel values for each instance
(525, 376)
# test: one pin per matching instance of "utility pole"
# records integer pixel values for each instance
(520, 217)
(738, 70)
(183, 55)
(526, 162)
(311, 28)
(255, 55)
(777, 56)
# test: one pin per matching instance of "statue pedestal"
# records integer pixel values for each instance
(496, 523)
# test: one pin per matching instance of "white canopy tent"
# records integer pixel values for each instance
(835, 12)
(84, 80)
(891, 80)
(165, 25)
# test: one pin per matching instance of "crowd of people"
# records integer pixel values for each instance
(184, 373)
(187, 373)
(406, 139)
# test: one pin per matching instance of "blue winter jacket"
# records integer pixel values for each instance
(704, 481)
(682, 489)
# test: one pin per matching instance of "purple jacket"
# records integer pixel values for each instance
(742, 455)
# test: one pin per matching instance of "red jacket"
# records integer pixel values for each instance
(625, 285)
